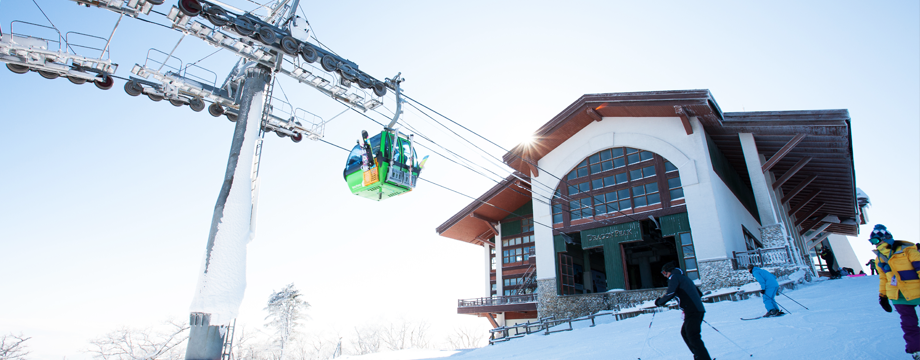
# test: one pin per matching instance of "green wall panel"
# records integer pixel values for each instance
(510, 228)
(617, 233)
(524, 210)
(673, 224)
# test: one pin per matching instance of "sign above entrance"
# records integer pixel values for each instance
(610, 234)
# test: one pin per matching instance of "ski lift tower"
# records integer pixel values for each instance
(245, 97)
(220, 287)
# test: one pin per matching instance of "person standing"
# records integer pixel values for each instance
(689, 299)
(871, 265)
(768, 287)
(898, 263)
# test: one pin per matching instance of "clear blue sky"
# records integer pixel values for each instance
(107, 199)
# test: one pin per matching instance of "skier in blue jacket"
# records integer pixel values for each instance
(768, 286)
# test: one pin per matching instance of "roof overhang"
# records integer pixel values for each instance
(479, 221)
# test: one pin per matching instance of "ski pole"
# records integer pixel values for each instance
(726, 337)
(783, 307)
(647, 334)
(793, 300)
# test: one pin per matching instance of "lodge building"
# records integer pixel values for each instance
(616, 185)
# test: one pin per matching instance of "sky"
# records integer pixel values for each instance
(843, 320)
(107, 199)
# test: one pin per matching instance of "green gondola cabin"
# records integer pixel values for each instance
(390, 170)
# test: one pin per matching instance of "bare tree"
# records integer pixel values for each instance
(12, 347)
(401, 335)
(367, 340)
(142, 344)
(467, 338)
(285, 310)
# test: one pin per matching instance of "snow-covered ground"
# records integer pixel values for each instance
(843, 321)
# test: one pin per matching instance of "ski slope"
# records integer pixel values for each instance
(844, 321)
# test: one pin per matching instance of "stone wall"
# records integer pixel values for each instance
(717, 274)
(572, 306)
(772, 236)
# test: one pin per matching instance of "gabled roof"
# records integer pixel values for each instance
(822, 135)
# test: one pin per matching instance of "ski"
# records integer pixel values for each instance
(759, 317)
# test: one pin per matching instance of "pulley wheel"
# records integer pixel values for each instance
(196, 104)
(289, 45)
(267, 36)
(243, 27)
(76, 80)
(48, 74)
(176, 103)
(22, 69)
(307, 52)
(133, 88)
(329, 63)
(380, 89)
(190, 7)
(215, 110)
(216, 15)
(105, 83)
(297, 137)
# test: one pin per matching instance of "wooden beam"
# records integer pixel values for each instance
(801, 186)
(684, 118)
(789, 174)
(492, 320)
(799, 222)
(783, 152)
(802, 204)
(594, 115)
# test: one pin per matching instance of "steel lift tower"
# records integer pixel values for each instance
(262, 43)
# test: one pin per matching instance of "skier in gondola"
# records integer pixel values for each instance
(768, 288)
(689, 299)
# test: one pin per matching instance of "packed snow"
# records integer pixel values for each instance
(222, 278)
(843, 321)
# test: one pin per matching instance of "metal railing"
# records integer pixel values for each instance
(497, 300)
(761, 257)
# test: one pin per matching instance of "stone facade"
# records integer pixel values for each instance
(772, 236)
(718, 274)
(572, 306)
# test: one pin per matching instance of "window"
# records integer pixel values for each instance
(635, 156)
(642, 173)
(528, 250)
(527, 225)
(557, 213)
(686, 244)
(579, 188)
(600, 162)
(646, 194)
(512, 256)
(493, 263)
(674, 188)
(750, 241)
(580, 171)
(669, 167)
(580, 209)
(608, 203)
(527, 239)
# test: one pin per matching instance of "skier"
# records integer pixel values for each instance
(828, 257)
(871, 265)
(898, 281)
(688, 297)
(768, 287)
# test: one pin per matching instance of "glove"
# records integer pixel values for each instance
(658, 302)
(763, 292)
(883, 301)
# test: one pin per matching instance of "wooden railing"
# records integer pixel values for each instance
(761, 257)
(497, 300)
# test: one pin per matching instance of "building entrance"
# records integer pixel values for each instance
(644, 260)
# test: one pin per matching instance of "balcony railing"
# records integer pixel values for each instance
(761, 257)
(497, 300)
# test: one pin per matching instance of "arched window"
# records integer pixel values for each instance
(614, 183)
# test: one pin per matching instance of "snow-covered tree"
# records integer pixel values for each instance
(142, 344)
(285, 310)
(12, 347)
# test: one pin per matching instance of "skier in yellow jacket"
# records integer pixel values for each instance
(898, 263)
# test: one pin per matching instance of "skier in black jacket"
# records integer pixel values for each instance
(688, 297)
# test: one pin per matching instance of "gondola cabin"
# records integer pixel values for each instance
(382, 167)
